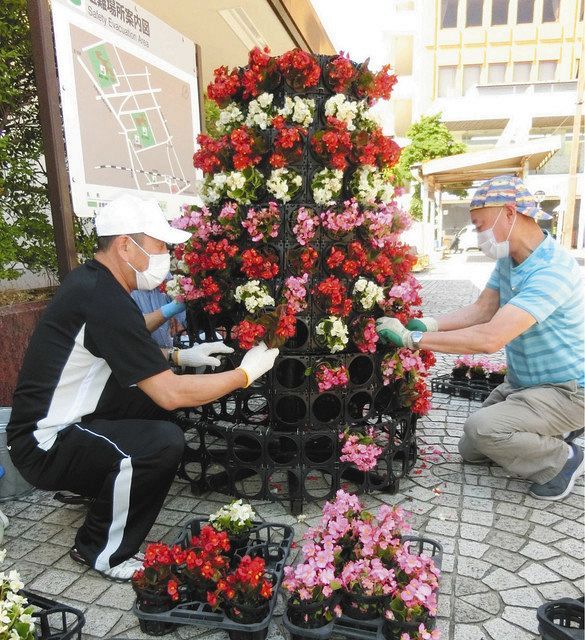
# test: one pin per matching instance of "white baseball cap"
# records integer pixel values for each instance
(128, 214)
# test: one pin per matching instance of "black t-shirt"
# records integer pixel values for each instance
(90, 345)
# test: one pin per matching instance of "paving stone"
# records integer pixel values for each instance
(567, 567)
(501, 579)
(544, 534)
(13, 508)
(41, 531)
(473, 532)
(504, 495)
(53, 581)
(537, 551)
(442, 527)
(87, 588)
(569, 528)
(62, 517)
(46, 553)
(505, 540)
(27, 570)
(472, 567)
(477, 492)
(480, 504)
(502, 630)
(465, 586)
(19, 547)
(557, 590)
(488, 601)
(119, 596)
(572, 547)
(36, 512)
(511, 525)
(477, 517)
(514, 510)
(506, 559)
(465, 612)
(17, 527)
(522, 597)
(472, 549)
(468, 632)
(445, 513)
(543, 518)
(100, 620)
(537, 574)
(524, 618)
(494, 483)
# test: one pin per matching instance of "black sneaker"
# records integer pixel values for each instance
(574, 434)
(562, 484)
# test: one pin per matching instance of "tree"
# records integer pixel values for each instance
(429, 139)
(26, 233)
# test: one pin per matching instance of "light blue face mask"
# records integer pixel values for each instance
(486, 241)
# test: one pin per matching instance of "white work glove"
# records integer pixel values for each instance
(391, 330)
(199, 355)
(257, 362)
(423, 324)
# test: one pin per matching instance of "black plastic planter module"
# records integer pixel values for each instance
(562, 619)
(260, 442)
(55, 621)
(272, 542)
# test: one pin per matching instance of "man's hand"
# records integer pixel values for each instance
(391, 330)
(199, 355)
(423, 324)
(257, 362)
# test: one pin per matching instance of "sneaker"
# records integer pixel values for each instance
(569, 437)
(562, 484)
(120, 573)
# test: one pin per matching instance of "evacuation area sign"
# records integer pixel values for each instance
(130, 104)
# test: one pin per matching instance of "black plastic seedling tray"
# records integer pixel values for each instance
(268, 540)
(53, 620)
(366, 629)
(477, 390)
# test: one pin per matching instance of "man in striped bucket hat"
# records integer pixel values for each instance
(533, 306)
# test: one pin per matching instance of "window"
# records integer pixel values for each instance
(497, 73)
(550, 10)
(500, 11)
(522, 71)
(447, 77)
(471, 76)
(525, 13)
(547, 70)
(474, 14)
(448, 14)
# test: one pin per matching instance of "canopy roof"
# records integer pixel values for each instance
(466, 168)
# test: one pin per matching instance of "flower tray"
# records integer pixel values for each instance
(562, 619)
(54, 621)
(268, 540)
(347, 627)
(477, 390)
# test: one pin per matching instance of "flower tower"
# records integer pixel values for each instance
(298, 244)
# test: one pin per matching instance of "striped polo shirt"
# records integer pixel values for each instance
(549, 287)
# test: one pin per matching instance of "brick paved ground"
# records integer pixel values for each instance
(505, 552)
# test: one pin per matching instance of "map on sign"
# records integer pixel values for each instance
(133, 119)
(130, 103)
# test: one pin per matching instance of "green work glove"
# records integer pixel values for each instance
(423, 324)
(391, 330)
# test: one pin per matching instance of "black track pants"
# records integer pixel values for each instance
(127, 465)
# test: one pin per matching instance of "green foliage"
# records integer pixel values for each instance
(26, 232)
(211, 111)
(429, 139)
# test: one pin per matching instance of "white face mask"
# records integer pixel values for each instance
(158, 267)
(486, 241)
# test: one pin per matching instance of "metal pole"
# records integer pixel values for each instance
(567, 237)
(45, 67)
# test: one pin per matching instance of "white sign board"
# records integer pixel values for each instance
(130, 104)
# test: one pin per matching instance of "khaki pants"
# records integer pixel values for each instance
(522, 429)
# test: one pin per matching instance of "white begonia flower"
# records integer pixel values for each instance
(265, 99)
(235, 180)
(229, 117)
(343, 109)
(15, 582)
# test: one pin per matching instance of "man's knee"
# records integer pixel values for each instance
(172, 441)
(478, 428)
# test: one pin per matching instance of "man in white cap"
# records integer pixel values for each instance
(91, 411)
(532, 305)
